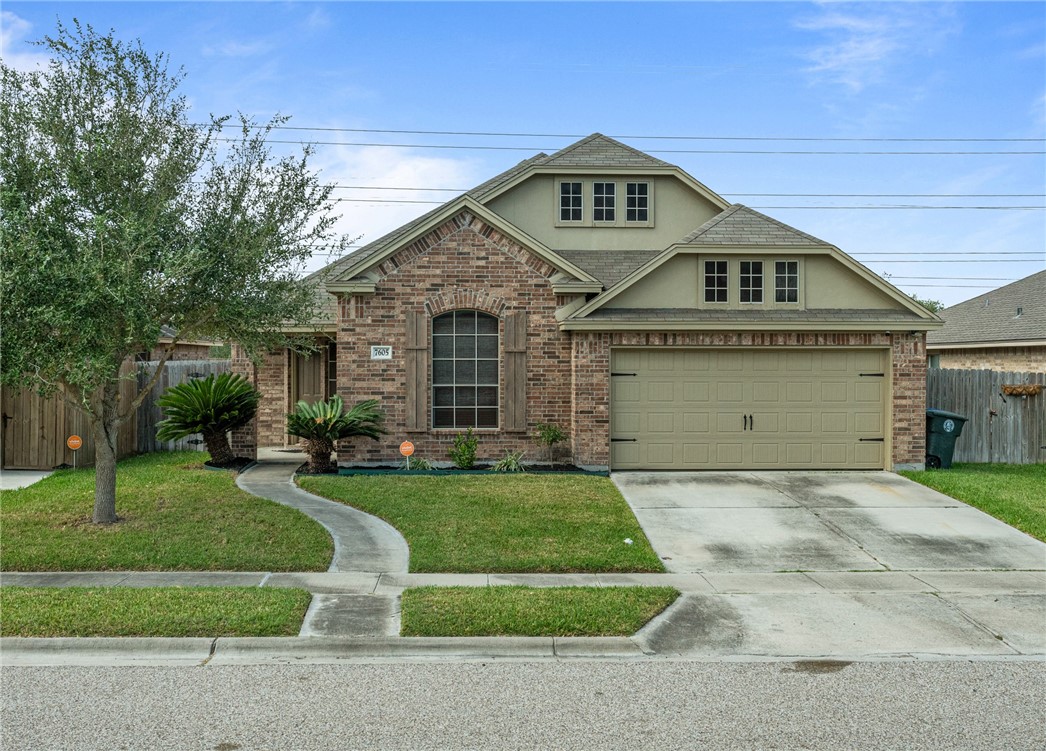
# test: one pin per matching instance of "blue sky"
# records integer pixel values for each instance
(633, 71)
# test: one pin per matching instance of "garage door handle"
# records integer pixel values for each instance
(623, 440)
(871, 440)
(872, 375)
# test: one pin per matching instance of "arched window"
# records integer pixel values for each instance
(465, 370)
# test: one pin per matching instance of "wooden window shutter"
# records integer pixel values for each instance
(516, 372)
(417, 372)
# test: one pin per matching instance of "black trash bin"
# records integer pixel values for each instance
(942, 428)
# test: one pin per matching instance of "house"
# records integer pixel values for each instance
(611, 293)
(1004, 329)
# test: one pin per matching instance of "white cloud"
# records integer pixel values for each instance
(233, 48)
(13, 32)
(386, 167)
(862, 45)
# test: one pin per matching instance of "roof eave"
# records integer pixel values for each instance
(1002, 344)
(585, 324)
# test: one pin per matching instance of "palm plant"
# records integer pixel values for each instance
(321, 424)
(211, 406)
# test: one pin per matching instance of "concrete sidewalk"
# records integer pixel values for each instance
(361, 542)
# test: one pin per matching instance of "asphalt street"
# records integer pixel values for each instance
(968, 705)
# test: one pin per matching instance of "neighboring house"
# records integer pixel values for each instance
(614, 295)
(198, 349)
(1004, 329)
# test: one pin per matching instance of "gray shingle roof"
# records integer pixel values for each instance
(992, 317)
(740, 225)
(608, 266)
(598, 150)
(752, 316)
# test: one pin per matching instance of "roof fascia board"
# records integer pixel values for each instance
(988, 345)
(466, 203)
(352, 288)
(583, 324)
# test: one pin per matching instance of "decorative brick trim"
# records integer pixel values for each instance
(466, 299)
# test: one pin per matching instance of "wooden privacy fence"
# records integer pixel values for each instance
(1006, 413)
(35, 429)
(149, 413)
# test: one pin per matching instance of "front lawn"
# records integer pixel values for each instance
(531, 611)
(1013, 493)
(154, 611)
(502, 523)
(175, 516)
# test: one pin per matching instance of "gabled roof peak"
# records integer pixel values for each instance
(740, 225)
(598, 150)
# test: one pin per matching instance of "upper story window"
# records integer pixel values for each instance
(786, 281)
(604, 199)
(464, 370)
(751, 282)
(569, 202)
(716, 281)
(637, 202)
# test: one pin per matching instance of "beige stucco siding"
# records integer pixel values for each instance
(824, 283)
(533, 206)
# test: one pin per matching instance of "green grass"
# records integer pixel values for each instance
(531, 611)
(1013, 493)
(516, 523)
(175, 516)
(154, 611)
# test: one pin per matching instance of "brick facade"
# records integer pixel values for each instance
(244, 440)
(1009, 359)
(591, 386)
(462, 265)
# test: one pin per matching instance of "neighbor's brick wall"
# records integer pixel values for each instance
(1012, 359)
(244, 440)
(463, 264)
(591, 387)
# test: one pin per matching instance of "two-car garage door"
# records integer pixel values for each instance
(748, 408)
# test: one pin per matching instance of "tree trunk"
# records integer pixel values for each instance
(218, 447)
(105, 471)
(319, 451)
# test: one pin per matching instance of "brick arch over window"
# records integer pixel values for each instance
(466, 299)
(512, 357)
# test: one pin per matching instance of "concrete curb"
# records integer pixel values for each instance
(93, 650)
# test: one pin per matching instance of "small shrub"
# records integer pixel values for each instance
(548, 435)
(322, 424)
(513, 462)
(463, 453)
(210, 406)
(417, 462)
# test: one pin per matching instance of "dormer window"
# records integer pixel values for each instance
(637, 202)
(569, 202)
(751, 282)
(786, 281)
(611, 203)
(604, 199)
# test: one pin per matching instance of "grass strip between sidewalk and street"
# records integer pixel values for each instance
(531, 611)
(1013, 493)
(502, 523)
(174, 516)
(152, 611)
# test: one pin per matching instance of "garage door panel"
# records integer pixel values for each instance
(661, 422)
(808, 408)
(730, 391)
(766, 391)
(696, 422)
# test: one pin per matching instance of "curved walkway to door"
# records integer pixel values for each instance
(361, 542)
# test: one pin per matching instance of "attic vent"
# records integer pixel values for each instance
(1020, 311)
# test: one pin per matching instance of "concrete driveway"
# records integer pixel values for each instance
(836, 564)
(772, 522)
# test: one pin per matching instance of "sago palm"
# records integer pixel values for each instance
(322, 424)
(211, 406)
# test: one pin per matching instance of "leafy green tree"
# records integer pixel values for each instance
(120, 214)
(210, 406)
(322, 424)
(934, 306)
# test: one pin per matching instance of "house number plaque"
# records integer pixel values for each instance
(381, 352)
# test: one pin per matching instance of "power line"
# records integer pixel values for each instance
(533, 149)
(819, 208)
(340, 186)
(952, 278)
(493, 134)
(951, 253)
